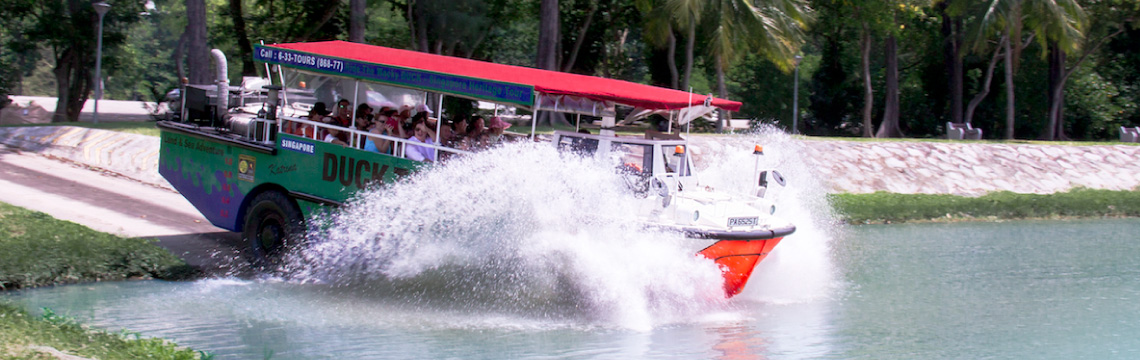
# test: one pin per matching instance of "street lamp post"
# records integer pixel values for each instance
(101, 8)
(796, 95)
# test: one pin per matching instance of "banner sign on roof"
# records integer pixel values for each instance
(400, 76)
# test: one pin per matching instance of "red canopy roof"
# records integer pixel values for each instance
(543, 81)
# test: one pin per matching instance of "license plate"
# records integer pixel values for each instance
(744, 221)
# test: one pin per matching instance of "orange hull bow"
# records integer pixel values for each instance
(737, 259)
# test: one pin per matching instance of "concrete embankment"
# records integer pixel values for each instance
(961, 168)
(132, 155)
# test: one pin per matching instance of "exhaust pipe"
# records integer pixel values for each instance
(223, 82)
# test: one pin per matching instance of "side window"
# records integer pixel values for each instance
(580, 146)
(675, 163)
(637, 157)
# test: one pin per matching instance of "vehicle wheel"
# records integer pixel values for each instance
(273, 224)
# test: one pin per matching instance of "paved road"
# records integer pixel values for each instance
(118, 205)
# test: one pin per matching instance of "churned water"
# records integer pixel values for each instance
(511, 254)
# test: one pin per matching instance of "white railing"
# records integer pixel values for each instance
(356, 137)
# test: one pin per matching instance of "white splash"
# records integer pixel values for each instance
(799, 268)
(516, 230)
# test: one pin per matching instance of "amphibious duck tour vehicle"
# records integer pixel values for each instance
(259, 160)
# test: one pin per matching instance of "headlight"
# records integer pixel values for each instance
(772, 210)
(696, 215)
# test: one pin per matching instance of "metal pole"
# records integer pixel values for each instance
(101, 9)
(534, 114)
(438, 125)
(796, 95)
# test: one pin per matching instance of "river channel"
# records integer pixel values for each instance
(1064, 289)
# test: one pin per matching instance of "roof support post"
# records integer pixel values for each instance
(534, 115)
(284, 89)
(438, 125)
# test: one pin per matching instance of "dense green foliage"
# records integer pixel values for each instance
(37, 249)
(881, 207)
(629, 39)
(23, 336)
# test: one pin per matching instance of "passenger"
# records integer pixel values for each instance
(419, 118)
(343, 113)
(363, 117)
(343, 119)
(333, 135)
(495, 136)
(476, 134)
(388, 116)
(421, 134)
(379, 144)
(455, 134)
(318, 112)
(404, 118)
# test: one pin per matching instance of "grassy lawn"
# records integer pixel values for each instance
(23, 336)
(37, 249)
(133, 127)
(884, 207)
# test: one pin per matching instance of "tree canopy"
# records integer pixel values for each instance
(870, 67)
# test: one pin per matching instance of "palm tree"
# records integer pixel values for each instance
(659, 33)
(773, 28)
(1057, 25)
(686, 14)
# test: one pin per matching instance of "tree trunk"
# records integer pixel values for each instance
(868, 95)
(722, 92)
(1009, 96)
(1056, 127)
(690, 44)
(672, 60)
(985, 90)
(548, 35)
(951, 29)
(890, 124)
(581, 37)
(179, 53)
(421, 25)
(73, 83)
(248, 68)
(356, 20)
(198, 55)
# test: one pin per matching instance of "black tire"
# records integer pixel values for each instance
(273, 225)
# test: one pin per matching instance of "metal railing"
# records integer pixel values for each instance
(356, 137)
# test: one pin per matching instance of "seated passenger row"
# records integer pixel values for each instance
(458, 133)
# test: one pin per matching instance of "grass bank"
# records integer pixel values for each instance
(37, 249)
(23, 336)
(884, 207)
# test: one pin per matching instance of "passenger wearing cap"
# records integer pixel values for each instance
(404, 117)
(495, 135)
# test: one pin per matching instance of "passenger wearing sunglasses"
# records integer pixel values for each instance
(421, 134)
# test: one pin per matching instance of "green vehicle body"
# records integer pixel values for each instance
(220, 177)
